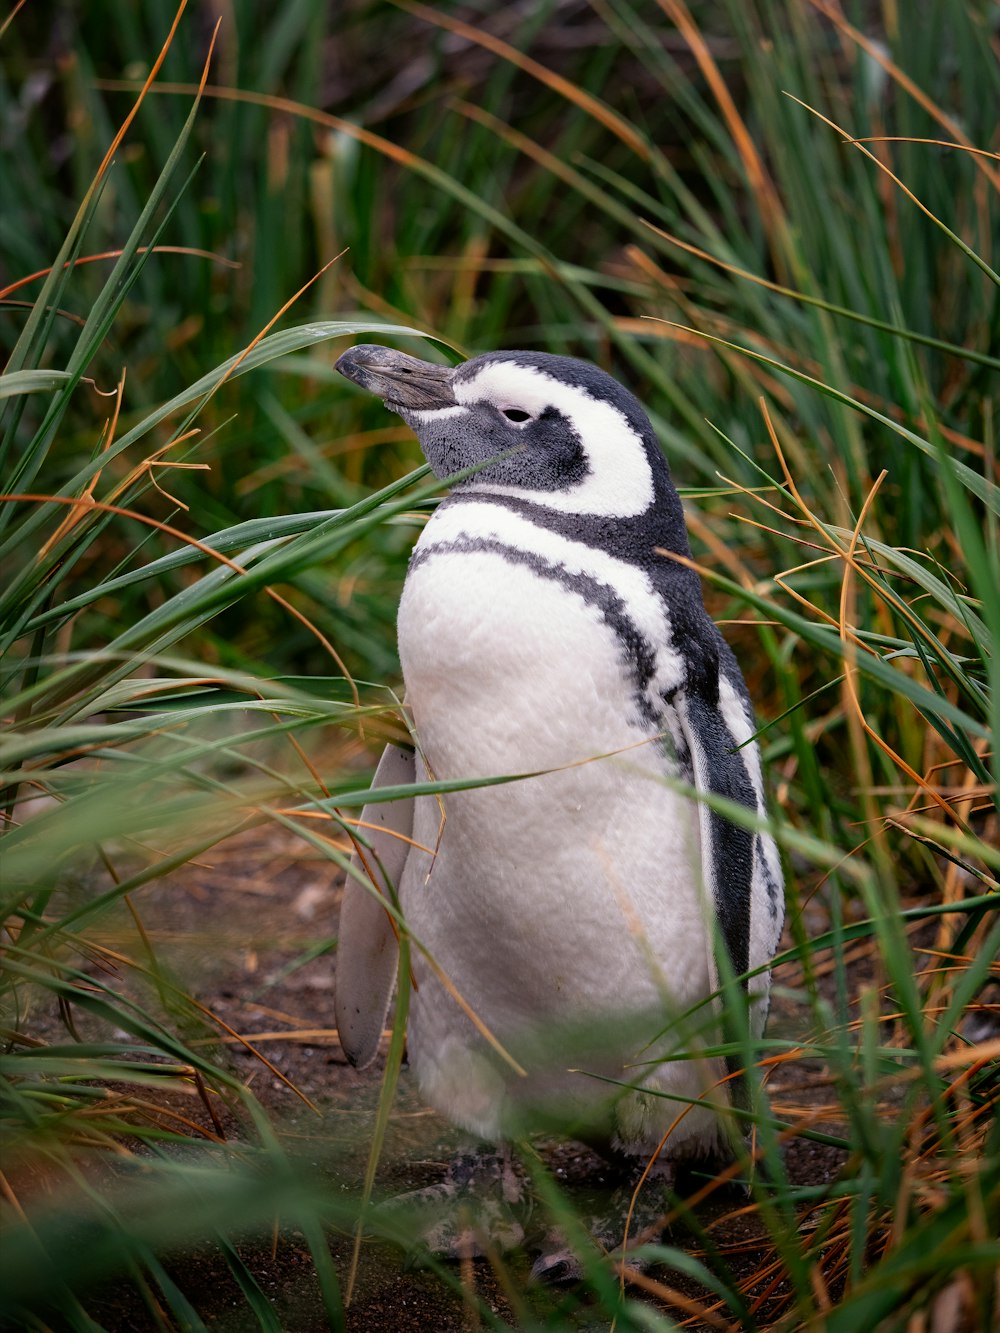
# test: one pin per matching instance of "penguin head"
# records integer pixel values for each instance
(549, 429)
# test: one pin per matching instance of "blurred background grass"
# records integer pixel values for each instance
(639, 184)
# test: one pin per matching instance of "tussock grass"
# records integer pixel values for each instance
(780, 228)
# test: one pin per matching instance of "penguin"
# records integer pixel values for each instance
(585, 914)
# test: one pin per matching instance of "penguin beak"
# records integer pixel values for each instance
(401, 381)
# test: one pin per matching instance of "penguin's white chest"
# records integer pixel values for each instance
(507, 669)
(564, 908)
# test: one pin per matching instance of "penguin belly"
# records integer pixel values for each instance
(567, 910)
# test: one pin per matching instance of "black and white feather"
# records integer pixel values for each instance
(579, 913)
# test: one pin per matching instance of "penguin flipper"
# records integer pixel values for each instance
(727, 850)
(367, 949)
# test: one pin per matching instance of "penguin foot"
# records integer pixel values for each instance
(560, 1265)
(469, 1214)
(473, 1231)
(557, 1265)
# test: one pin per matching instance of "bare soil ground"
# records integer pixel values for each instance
(245, 930)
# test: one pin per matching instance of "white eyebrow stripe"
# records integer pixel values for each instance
(619, 482)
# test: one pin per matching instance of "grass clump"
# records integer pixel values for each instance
(778, 224)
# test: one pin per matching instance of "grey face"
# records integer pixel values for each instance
(515, 439)
(550, 429)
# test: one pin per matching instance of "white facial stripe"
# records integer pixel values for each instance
(434, 413)
(645, 606)
(619, 483)
(507, 384)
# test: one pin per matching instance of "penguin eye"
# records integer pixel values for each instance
(516, 414)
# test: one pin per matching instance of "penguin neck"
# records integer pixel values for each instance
(636, 539)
